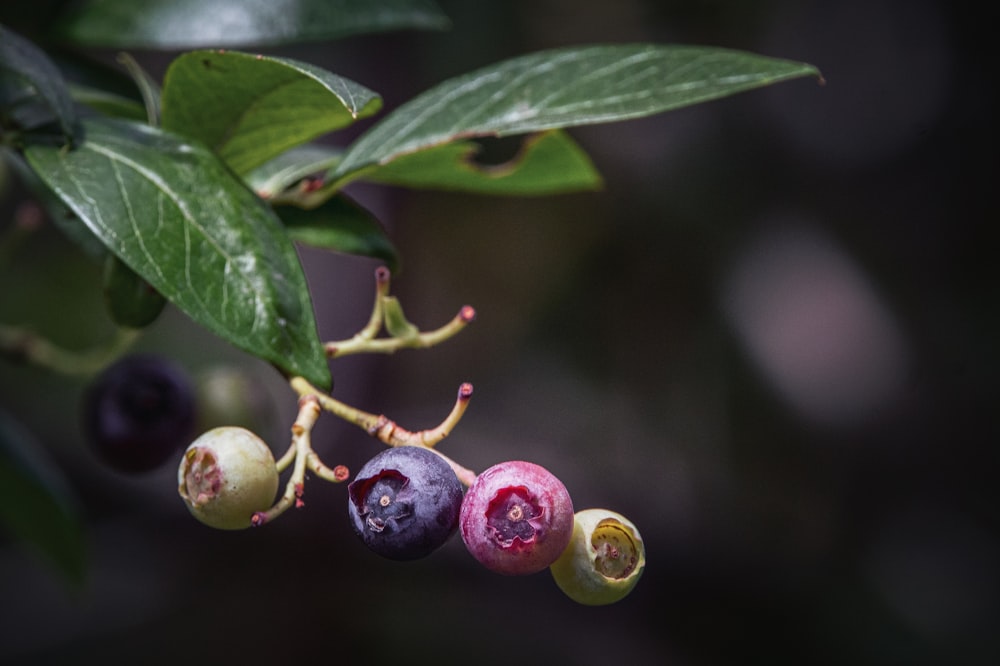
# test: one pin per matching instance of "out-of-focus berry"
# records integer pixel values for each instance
(138, 413)
(229, 395)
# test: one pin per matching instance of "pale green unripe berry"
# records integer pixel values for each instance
(604, 559)
(227, 475)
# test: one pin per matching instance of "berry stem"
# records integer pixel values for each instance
(287, 458)
(366, 342)
(337, 474)
(21, 345)
(464, 474)
(386, 430)
(309, 411)
(432, 436)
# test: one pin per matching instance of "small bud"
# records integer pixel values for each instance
(467, 313)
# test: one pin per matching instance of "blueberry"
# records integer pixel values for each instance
(404, 502)
(517, 518)
(138, 413)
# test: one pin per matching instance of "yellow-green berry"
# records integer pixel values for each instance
(227, 475)
(604, 559)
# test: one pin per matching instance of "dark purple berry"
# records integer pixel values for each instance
(404, 502)
(138, 413)
(517, 518)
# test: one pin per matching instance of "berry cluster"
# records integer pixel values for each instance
(515, 517)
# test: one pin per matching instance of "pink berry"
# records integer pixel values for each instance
(516, 518)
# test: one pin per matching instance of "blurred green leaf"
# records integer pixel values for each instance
(29, 78)
(108, 103)
(36, 505)
(176, 216)
(131, 300)
(340, 225)
(186, 24)
(548, 163)
(148, 87)
(250, 108)
(562, 88)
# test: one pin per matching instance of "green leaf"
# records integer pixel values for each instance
(548, 163)
(396, 323)
(251, 108)
(274, 176)
(132, 302)
(108, 103)
(147, 85)
(340, 225)
(36, 505)
(25, 68)
(61, 215)
(563, 88)
(176, 216)
(187, 24)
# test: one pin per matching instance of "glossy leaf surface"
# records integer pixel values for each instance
(175, 215)
(250, 109)
(563, 88)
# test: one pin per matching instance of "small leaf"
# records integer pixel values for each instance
(340, 225)
(563, 88)
(147, 85)
(187, 24)
(276, 175)
(548, 163)
(36, 505)
(176, 216)
(396, 323)
(132, 302)
(251, 108)
(23, 63)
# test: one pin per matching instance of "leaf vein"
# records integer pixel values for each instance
(130, 213)
(191, 225)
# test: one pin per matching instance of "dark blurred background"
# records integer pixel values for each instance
(769, 341)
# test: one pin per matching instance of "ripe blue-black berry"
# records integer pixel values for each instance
(138, 413)
(517, 518)
(404, 502)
